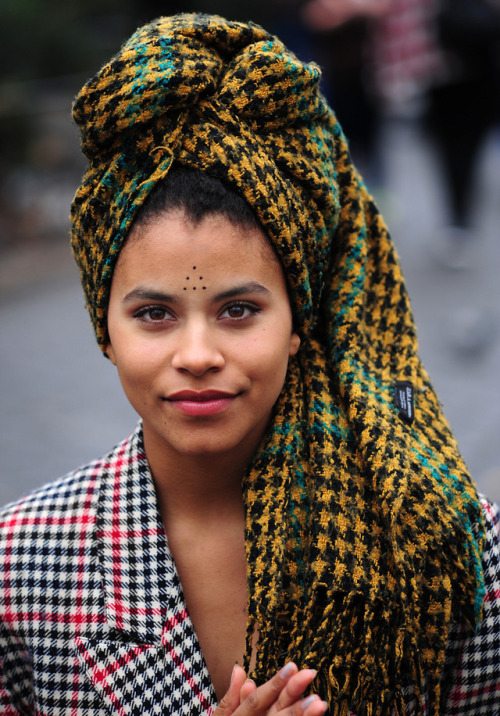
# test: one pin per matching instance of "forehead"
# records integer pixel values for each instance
(175, 229)
(172, 243)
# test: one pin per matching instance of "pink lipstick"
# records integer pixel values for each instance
(201, 404)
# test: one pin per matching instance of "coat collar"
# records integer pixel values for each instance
(145, 609)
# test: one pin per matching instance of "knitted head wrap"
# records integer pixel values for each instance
(363, 530)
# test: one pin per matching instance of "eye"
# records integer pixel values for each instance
(153, 314)
(239, 311)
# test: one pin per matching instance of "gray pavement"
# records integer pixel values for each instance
(60, 401)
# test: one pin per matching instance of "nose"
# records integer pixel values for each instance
(197, 351)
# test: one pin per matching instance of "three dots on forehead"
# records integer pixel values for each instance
(194, 282)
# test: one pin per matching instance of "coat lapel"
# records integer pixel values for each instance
(152, 658)
(141, 585)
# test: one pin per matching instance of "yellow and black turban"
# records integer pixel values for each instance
(363, 529)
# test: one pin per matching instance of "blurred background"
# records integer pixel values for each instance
(416, 85)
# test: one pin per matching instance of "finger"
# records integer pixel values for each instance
(259, 700)
(246, 689)
(311, 706)
(294, 690)
(231, 699)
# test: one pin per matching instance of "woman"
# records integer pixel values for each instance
(292, 499)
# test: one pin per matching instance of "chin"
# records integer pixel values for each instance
(206, 449)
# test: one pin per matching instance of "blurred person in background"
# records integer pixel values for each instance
(434, 61)
(463, 106)
(438, 62)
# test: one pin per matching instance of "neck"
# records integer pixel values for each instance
(197, 488)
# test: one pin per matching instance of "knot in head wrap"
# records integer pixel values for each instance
(363, 529)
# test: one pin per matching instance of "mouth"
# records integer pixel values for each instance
(201, 403)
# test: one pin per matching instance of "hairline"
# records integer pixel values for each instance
(135, 233)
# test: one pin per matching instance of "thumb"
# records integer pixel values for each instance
(231, 699)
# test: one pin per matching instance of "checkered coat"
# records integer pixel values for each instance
(93, 620)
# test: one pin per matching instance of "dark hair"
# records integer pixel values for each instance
(199, 195)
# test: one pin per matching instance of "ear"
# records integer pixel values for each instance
(294, 344)
(109, 353)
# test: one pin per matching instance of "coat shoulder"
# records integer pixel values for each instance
(62, 498)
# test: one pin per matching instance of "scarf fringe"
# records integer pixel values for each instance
(367, 679)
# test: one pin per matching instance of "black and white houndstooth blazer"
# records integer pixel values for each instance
(92, 617)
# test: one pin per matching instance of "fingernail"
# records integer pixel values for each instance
(307, 702)
(233, 672)
(286, 671)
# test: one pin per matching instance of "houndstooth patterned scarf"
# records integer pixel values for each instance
(359, 510)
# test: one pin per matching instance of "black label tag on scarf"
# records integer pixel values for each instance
(403, 395)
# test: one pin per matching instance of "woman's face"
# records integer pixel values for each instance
(201, 332)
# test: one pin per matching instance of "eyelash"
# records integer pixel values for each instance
(250, 307)
(142, 314)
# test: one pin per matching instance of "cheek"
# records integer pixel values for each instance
(132, 352)
(267, 359)
(135, 365)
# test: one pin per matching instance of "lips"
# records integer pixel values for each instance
(201, 403)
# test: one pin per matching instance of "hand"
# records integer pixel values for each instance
(280, 696)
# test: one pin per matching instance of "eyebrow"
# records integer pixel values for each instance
(250, 287)
(147, 294)
(144, 293)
